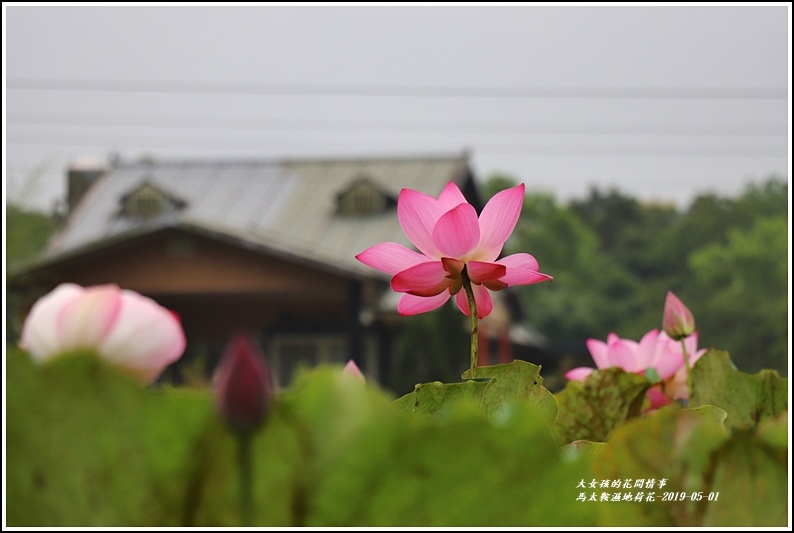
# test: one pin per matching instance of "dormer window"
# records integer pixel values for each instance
(364, 198)
(148, 201)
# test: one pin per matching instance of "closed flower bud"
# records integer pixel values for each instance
(243, 392)
(351, 369)
(678, 321)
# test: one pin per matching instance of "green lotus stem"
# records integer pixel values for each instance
(474, 327)
(686, 364)
(245, 464)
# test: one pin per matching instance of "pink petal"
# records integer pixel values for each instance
(623, 356)
(482, 300)
(677, 387)
(351, 369)
(668, 364)
(457, 231)
(598, 351)
(579, 374)
(452, 266)
(648, 352)
(497, 221)
(521, 260)
(146, 337)
(424, 279)
(669, 357)
(39, 331)
(390, 257)
(84, 322)
(418, 214)
(480, 272)
(451, 197)
(657, 398)
(413, 305)
(522, 269)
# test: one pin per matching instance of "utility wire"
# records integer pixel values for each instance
(382, 126)
(567, 150)
(399, 91)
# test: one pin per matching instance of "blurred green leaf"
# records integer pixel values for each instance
(88, 447)
(673, 444)
(593, 408)
(583, 448)
(517, 381)
(467, 470)
(752, 482)
(748, 399)
(431, 398)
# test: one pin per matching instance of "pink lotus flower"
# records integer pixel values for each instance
(126, 329)
(243, 392)
(452, 238)
(655, 350)
(678, 321)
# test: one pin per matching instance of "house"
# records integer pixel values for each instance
(267, 246)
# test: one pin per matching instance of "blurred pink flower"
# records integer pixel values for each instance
(242, 387)
(351, 369)
(678, 321)
(128, 330)
(655, 350)
(451, 237)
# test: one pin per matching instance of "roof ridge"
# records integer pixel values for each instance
(393, 158)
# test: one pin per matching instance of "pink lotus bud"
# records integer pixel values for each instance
(243, 392)
(678, 321)
(126, 329)
(351, 369)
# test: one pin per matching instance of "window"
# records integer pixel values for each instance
(363, 198)
(147, 201)
(289, 353)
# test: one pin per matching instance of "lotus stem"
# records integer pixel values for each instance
(245, 465)
(474, 327)
(688, 370)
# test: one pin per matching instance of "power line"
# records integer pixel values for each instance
(567, 150)
(400, 91)
(375, 126)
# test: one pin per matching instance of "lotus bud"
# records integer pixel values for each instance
(678, 321)
(351, 369)
(243, 392)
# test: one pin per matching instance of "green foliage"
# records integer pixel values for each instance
(692, 452)
(741, 287)
(518, 381)
(592, 409)
(87, 447)
(26, 233)
(494, 388)
(747, 399)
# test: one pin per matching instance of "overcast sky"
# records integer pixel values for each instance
(662, 102)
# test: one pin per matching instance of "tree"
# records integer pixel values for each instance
(742, 287)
